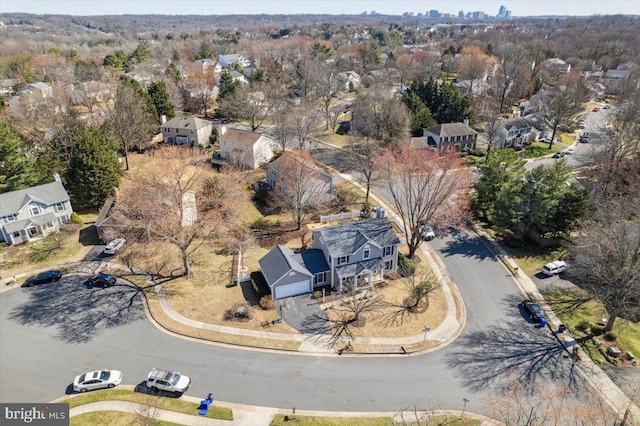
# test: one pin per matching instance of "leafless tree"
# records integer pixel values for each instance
(199, 89)
(327, 87)
(147, 412)
(131, 121)
(157, 209)
(512, 61)
(417, 289)
(300, 187)
(283, 119)
(250, 108)
(304, 126)
(351, 312)
(381, 116)
(363, 153)
(427, 187)
(474, 64)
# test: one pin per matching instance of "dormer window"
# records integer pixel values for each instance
(34, 210)
(366, 254)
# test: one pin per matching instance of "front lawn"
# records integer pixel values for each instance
(170, 404)
(540, 149)
(283, 420)
(111, 418)
(576, 314)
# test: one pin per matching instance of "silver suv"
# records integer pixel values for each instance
(171, 381)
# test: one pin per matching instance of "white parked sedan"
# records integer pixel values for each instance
(97, 380)
(570, 151)
(114, 246)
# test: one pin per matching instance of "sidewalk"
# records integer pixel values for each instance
(590, 371)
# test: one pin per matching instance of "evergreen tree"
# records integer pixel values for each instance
(161, 100)
(18, 168)
(227, 84)
(421, 117)
(94, 169)
(139, 90)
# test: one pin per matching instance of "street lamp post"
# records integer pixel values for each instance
(425, 330)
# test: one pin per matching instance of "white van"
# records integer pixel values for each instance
(555, 267)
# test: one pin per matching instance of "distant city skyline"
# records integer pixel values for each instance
(490, 8)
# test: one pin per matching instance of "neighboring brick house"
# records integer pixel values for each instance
(191, 131)
(451, 136)
(343, 257)
(513, 133)
(33, 213)
(245, 148)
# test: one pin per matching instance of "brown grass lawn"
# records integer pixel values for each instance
(379, 324)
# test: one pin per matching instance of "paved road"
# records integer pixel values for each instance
(48, 334)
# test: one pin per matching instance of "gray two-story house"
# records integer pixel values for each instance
(343, 257)
(32, 213)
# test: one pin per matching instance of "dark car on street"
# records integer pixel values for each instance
(43, 278)
(558, 154)
(101, 280)
(533, 310)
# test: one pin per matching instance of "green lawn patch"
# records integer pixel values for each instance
(574, 310)
(170, 404)
(111, 418)
(531, 259)
(282, 420)
(540, 149)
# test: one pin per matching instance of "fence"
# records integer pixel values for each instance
(339, 216)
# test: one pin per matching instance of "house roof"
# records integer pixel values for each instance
(207, 61)
(313, 260)
(189, 123)
(278, 262)
(517, 122)
(347, 238)
(48, 194)
(310, 168)
(451, 129)
(241, 137)
(27, 223)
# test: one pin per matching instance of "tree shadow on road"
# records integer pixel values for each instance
(516, 349)
(79, 312)
(468, 245)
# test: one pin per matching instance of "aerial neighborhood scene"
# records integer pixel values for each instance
(320, 213)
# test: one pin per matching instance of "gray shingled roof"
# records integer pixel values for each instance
(47, 194)
(451, 129)
(239, 136)
(190, 123)
(24, 224)
(347, 238)
(278, 262)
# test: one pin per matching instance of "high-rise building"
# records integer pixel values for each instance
(461, 14)
(434, 13)
(507, 14)
(502, 11)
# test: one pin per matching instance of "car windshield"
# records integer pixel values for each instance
(81, 378)
(535, 308)
(174, 379)
(104, 375)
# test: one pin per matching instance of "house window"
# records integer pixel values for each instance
(343, 260)
(388, 251)
(16, 234)
(35, 210)
(10, 218)
(388, 265)
(366, 254)
(320, 278)
(59, 207)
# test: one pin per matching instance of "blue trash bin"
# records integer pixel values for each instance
(543, 322)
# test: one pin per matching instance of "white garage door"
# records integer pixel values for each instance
(293, 289)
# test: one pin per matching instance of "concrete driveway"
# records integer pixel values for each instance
(303, 313)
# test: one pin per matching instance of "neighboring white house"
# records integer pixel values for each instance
(346, 256)
(559, 65)
(228, 61)
(208, 64)
(246, 148)
(348, 80)
(30, 98)
(513, 133)
(192, 131)
(33, 213)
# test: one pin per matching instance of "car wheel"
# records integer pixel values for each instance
(83, 390)
(111, 385)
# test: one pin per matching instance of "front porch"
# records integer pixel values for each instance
(357, 275)
(32, 229)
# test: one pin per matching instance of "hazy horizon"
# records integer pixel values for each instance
(290, 7)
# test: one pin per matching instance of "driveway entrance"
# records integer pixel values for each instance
(303, 313)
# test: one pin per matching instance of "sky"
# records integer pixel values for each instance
(391, 7)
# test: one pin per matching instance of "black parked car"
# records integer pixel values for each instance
(533, 310)
(558, 154)
(101, 280)
(43, 278)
